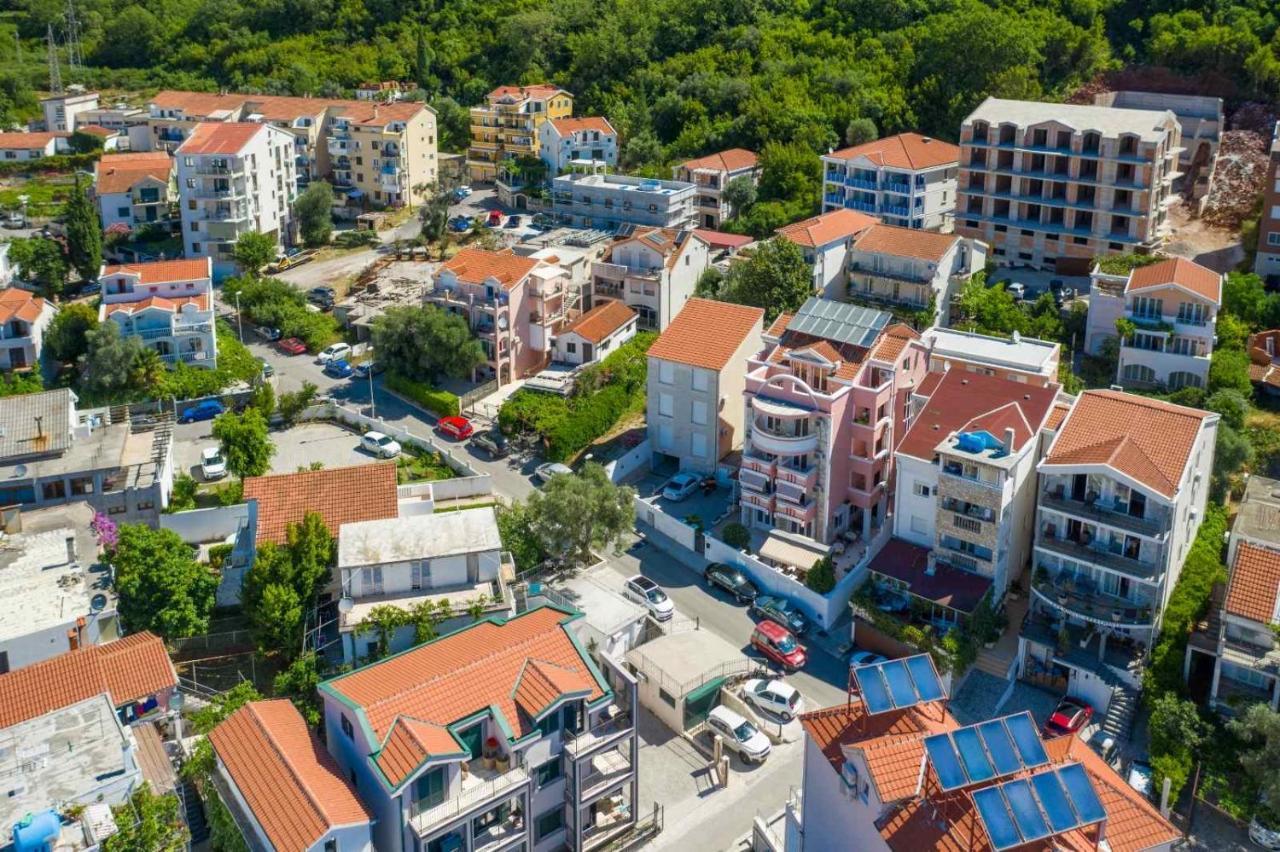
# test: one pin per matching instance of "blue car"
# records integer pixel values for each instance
(460, 224)
(338, 369)
(206, 410)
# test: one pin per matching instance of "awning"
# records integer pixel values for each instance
(783, 552)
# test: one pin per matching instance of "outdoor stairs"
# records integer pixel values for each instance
(996, 665)
(193, 813)
(1120, 713)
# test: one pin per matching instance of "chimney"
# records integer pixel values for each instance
(1271, 346)
(1015, 337)
(1009, 439)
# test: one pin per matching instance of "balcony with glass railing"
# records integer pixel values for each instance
(1151, 520)
(481, 788)
(1082, 546)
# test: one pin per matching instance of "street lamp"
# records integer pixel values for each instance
(373, 411)
(239, 318)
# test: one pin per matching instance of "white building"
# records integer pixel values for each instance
(33, 146)
(909, 269)
(595, 334)
(233, 178)
(166, 303)
(826, 241)
(907, 180)
(589, 141)
(653, 270)
(711, 174)
(64, 112)
(135, 190)
(118, 118)
(1018, 358)
(24, 317)
(605, 201)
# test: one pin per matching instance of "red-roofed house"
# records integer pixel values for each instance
(653, 270)
(510, 126)
(135, 189)
(825, 241)
(166, 303)
(23, 318)
(588, 141)
(33, 146)
(907, 180)
(505, 733)
(910, 269)
(710, 175)
(593, 335)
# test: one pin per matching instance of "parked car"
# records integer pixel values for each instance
(15, 220)
(544, 473)
(1140, 776)
(1266, 836)
(648, 594)
(322, 293)
(268, 333)
(291, 346)
(782, 611)
(461, 192)
(738, 734)
(460, 224)
(458, 428)
(777, 645)
(732, 581)
(363, 371)
(865, 658)
(265, 368)
(212, 464)
(382, 446)
(494, 219)
(773, 696)
(680, 486)
(334, 352)
(494, 443)
(1071, 715)
(513, 221)
(1058, 290)
(206, 410)
(1018, 291)
(338, 368)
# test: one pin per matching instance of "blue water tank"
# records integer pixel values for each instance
(37, 832)
(970, 442)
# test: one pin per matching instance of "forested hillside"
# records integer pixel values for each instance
(676, 77)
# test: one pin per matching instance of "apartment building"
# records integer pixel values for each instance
(24, 317)
(910, 270)
(654, 271)
(233, 178)
(135, 190)
(696, 378)
(1017, 358)
(966, 488)
(589, 142)
(33, 146)
(1267, 261)
(1051, 186)
(594, 335)
(826, 400)
(503, 735)
(387, 152)
(168, 304)
(605, 201)
(1201, 120)
(711, 174)
(65, 111)
(509, 126)
(826, 240)
(1264, 361)
(118, 118)
(906, 180)
(1173, 306)
(1122, 492)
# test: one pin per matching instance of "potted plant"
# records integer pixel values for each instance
(490, 752)
(1042, 575)
(1115, 614)
(503, 763)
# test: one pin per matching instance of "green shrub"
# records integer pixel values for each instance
(822, 576)
(439, 402)
(735, 535)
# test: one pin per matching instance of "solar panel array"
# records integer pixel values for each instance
(1042, 805)
(992, 749)
(839, 321)
(898, 684)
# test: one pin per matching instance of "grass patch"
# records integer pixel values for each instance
(46, 196)
(442, 510)
(416, 465)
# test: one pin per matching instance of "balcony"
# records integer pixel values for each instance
(806, 478)
(617, 726)
(477, 792)
(799, 513)
(758, 483)
(759, 501)
(197, 357)
(759, 465)
(1250, 655)
(1097, 553)
(833, 198)
(215, 169)
(894, 210)
(606, 770)
(1080, 597)
(782, 444)
(1154, 525)
(860, 206)
(860, 183)
(896, 187)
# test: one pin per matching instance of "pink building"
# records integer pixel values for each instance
(826, 401)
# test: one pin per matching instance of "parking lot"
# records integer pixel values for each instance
(299, 446)
(708, 507)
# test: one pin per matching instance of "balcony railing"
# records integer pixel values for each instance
(1082, 598)
(606, 731)
(1152, 526)
(469, 799)
(1097, 553)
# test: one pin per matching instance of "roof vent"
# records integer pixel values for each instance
(1026, 396)
(964, 381)
(1015, 337)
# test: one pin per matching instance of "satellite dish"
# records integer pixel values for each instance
(98, 603)
(346, 605)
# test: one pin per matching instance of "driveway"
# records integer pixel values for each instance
(708, 507)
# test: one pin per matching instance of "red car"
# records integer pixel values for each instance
(1071, 715)
(776, 643)
(458, 428)
(291, 346)
(495, 218)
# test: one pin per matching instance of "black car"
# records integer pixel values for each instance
(322, 293)
(1058, 289)
(732, 581)
(781, 611)
(494, 443)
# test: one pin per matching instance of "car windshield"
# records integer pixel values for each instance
(655, 595)
(213, 458)
(744, 732)
(383, 440)
(791, 702)
(786, 644)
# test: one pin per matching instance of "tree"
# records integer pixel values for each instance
(990, 309)
(184, 493)
(82, 142)
(422, 60)
(736, 535)
(1229, 370)
(282, 583)
(299, 682)
(313, 209)
(1259, 728)
(42, 262)
(382, 621)
(822, 576)
(84, 233)
(66, 337)
(264, 399)
(573, 514)
(253, 251)
(1232, 453)
(860, 131)
(1231, 405)
(520, 539)
(1175, 734)
(214, 712)
(740, 193)
(293, 403)
(107, 368)
(148, 823)
(434, 215)
(422, 340)
(311, 549)
(710, 283)
(244, 441)
(160, 585)
(775, 278)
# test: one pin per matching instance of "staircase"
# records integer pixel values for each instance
(193, 812)
(1120, 712)
(993, 663)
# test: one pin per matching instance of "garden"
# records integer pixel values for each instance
(954, 647)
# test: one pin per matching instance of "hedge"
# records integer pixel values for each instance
(57, 164)
(439, 402)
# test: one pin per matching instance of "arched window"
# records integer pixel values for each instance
(1139, 374)
(1183, 379)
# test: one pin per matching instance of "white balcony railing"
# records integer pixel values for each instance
(470, 798)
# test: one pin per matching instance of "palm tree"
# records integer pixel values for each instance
(148, 368)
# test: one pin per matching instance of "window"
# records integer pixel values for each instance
(371, 581)
(429, 789)
(82, 485)
(1273, 238)
(55, 490)
(698, 445)
(701, 380)
(122, 212)
(699, 413)
(666, 372)
(550, 724)
(347, 729)
(548, 823)
(919, 525)
(548, 772)
(420, 572)
(919, 489)
(666, 405)
(571, 348)
(667, 697)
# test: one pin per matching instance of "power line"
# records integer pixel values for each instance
(75, 55)
(55, 71)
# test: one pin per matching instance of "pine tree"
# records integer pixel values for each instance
(422, 64)
(84, 233)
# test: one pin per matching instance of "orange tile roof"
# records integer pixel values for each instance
(1057, 415)
(197, 104)
(850, 725)
(410, 743)
(16, 303)
(375, 114)
(904, 151)
(905, 242)
(164, 303)
(538, 90)
(119, 172)
(1255, 583)
(475, 266)
(723, 240)
(732, 160)
(827, 228)
(1180, 271)
(1147, 439)
(963, 401)
(97, 130)
(342, 495)
(821, 348)
(706, 333)
(601, 321)
(163, 271)
(566, 126)
(469, 671)
(292, 785)
(220, 137)
(130, 669)
(893, 341)
(779, 325)
(28, 141)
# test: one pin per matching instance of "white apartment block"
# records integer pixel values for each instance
(233, 178)
(589, 142)
(711, 174)
(24, 317)
(135, 190)
(653, 270)
(906, 180)
(606, 201)
(64, 112)
(168, 304)
(826, 241)
(895, 267)
(1017, 358)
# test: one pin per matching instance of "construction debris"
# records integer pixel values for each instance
(1242, 168)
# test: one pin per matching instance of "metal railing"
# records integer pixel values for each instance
(598, 734)
(469, 799)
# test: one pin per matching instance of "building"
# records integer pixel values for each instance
(711, 174)
(385, 90)
(509, 126)
(135, 190)
(589, 142)
(1017, 358)
(1267, 261)
(696, 378)
(233, 178)
(24, 317)
(680, 675)
(282, 789)
(118, 118)
(33, 146)
(606, 201)
(6, 266)
(1173, 307)
(51, 454)
(504, 734)
(966, 488)
(910, 270)
(65, 112)
(1051, 186)
(168, 304)
(825, 241)
(906, 180)
(1264, 360)
(1122, 492)
(826, 401)
(653, 270)
(596, 333)
(1199, 116)
(386, 153)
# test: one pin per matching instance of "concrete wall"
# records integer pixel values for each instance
(621, 468)
(201, 526)
(353, 418)
(913, 514)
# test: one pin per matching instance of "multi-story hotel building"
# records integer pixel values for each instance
(388, 152)
(711, 174)
(605, 201)
(907, 180)
(653, 270)
(168, 304)
(1048, 183)
(590, 142)
(508, 126)
(1267, 261)
(134, 190)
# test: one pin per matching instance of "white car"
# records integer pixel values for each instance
(738, 734)
(333, 352)
(775, 697)
(645, 592)
(212, 464)
(680, 487)
(382, 446)
(544, 473)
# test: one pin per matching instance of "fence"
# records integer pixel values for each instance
(356, 420)
(621, 468)
(231, 641)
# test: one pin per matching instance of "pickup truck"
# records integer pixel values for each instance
(290, 260)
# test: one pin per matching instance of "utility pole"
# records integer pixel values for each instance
(75, 56)
(55, 72)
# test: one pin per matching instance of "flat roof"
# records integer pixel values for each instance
(41, 589)
(627, 183)
(1109, 121)
(1259, 514)
(418, 537)
(683, 658)
(104, 448)
(602, 607)
(1019, 353)
(35, 423)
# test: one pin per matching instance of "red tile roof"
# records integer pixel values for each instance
(946, 586)
(964, 401)
(475, 266)
(1180, 271)
(130, 669)
(905, 151)
(97, 130)
(375, 114)
(291, 784)
(905, 242)
(1255, 583)
(28, 141)
(732, 160)
(538, 90)
(197, 104)
(601, 321)
(16, 303)
(119, 172)
(707, 333)
(779, 325)
(1057, 415)
(163, 271)
(893, 341)
(342, 495)
(722, 240)
(566, 126)
(220, 137)
(828, 228)
(833, 727)
(1146, 439)
(171, 304)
